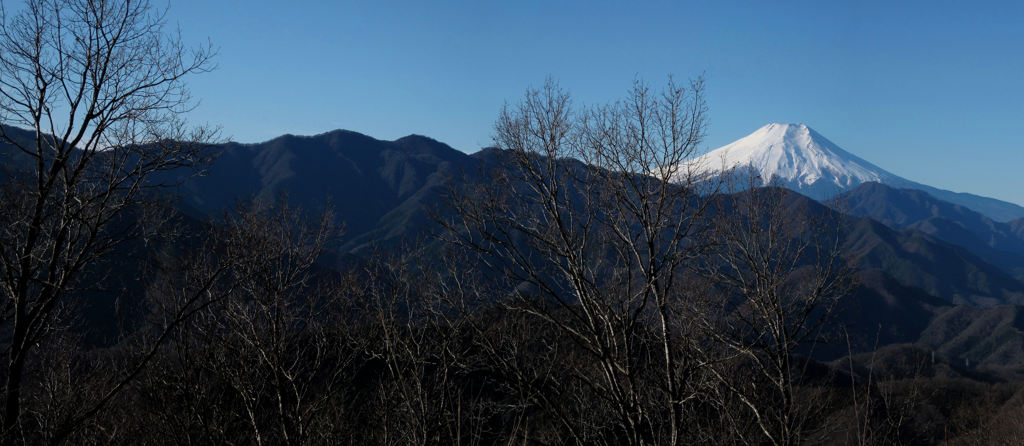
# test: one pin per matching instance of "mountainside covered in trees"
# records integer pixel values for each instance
(158, 287)
(914, 210)
(934, 293)
(386, 193)
(381, 190)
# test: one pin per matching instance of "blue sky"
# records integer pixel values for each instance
(932, 91)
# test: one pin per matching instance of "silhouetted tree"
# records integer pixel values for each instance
(597, 250)
(100, 83)
(777, 272)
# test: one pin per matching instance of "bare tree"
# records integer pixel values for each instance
(269, 360)
(424, 393)
(91, 394)
(779, 273)
(278, 341)
(879, 414)
(100, 86)
(594, 239)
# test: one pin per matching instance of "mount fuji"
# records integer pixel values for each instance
(796, 157)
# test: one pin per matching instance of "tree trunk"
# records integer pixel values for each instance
(15, 370)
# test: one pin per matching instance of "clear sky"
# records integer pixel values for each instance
(932, 91)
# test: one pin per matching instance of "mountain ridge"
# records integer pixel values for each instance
(385, 192)
(373, 185)
(999, 243)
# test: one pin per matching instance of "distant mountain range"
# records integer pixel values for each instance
(921, 277)
(386, 191)
(381, 190)
(907, 210)
(801, 159)
(928, 267)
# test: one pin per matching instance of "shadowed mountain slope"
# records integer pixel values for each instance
(1001, 244)
(385, 192)
(381, 190)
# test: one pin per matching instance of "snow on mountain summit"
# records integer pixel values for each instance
(798, 158)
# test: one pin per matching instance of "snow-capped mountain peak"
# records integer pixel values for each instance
(799, 158)
(796, 157)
